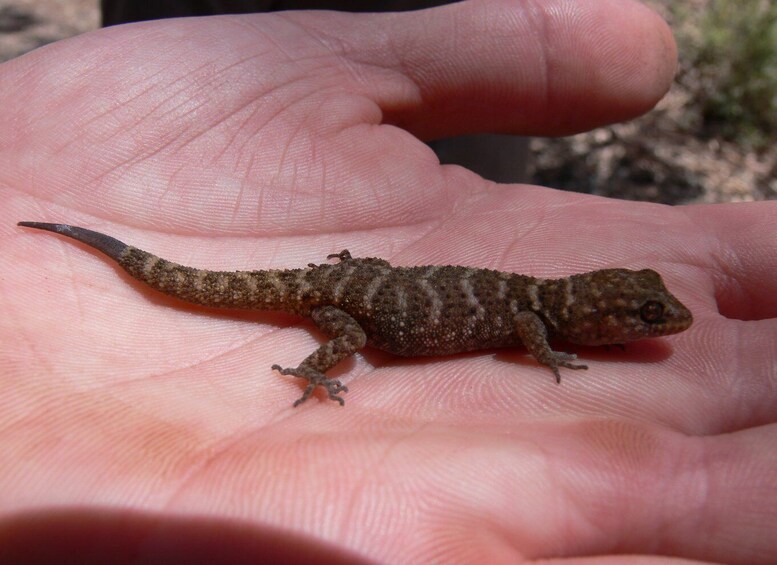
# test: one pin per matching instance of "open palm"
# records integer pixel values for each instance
(133, 425)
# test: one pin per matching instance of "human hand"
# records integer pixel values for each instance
(274, 140)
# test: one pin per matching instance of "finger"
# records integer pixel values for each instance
(660, 493)
(742, 245)
(735, 337)
(225, 115)
(546, 68)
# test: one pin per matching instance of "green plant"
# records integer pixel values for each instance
(736, 63)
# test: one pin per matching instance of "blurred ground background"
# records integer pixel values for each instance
(712, 139)
(27, 24)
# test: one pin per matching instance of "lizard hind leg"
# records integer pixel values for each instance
(347, 338)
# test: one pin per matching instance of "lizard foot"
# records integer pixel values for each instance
(315, 378)
(561, 359)
(343, 256)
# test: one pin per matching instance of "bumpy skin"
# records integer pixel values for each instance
(415, 311)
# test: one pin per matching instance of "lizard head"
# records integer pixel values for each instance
(614, 306)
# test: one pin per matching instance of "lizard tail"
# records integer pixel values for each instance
(111, 246)
(262, 290)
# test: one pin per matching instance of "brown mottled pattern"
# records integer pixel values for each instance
(412, 311)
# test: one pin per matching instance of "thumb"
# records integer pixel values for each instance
(537, 68)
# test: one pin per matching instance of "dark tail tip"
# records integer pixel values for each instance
(112, 247)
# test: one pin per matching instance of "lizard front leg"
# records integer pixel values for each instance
(347, 338)
(534, 336)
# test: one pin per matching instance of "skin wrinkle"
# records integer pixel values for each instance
(222, 354)
(109, 112)
(226, 444)
(246, 152)
(226, 117)
(379, 464)
(354, 57)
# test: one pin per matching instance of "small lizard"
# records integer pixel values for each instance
(416, 311)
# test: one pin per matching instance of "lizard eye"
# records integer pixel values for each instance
(651, 312)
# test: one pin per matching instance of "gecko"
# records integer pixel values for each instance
(418, 311)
